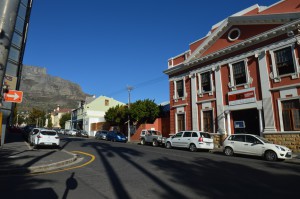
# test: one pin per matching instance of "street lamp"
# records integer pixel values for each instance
(129, 89)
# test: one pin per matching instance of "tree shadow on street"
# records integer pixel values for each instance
(222, 179)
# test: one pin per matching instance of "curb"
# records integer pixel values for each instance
(42, 168)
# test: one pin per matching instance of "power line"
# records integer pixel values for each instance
(140, 85)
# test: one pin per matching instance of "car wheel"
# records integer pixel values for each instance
(228, 151)
(168, 145)
(154, 143)
(270, 156)
(193, 148)
(142, 141)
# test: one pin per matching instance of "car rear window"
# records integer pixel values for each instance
(205, 135)
(48, 133)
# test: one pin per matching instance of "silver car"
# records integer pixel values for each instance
(193, 140)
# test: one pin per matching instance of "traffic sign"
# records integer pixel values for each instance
(13, 96)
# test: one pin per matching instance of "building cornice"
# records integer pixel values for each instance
(284, 29)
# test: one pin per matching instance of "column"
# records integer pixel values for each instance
(261, 128)
(267, 102)
(228, 122)
(195, 120)
(219, 101)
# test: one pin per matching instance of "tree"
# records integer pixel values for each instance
(63, 119)
(144, 111)
(37, 117)
(50, 124)
(116, 116)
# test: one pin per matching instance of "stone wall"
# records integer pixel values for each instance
(218, 140)
(290, 140)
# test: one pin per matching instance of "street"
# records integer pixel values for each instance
(126, 170)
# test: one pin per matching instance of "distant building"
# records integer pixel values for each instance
(89, 115)
(57, 114)
(243, 76)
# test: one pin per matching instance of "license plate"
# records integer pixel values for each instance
(48, 143)
(208, 144)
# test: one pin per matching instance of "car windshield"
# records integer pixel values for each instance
(155, 133)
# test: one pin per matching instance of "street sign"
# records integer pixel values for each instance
(13, 96)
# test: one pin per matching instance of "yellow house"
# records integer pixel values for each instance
(89, 115)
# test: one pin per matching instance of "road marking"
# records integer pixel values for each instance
(70, 168)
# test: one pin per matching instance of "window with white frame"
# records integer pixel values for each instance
(284, 63)
(291, 115)
(239, 74)
(179, 89)
(205, 83)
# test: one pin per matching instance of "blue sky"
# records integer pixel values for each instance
(107, 45)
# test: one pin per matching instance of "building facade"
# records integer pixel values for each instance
(89, 115)
(14, 24)
(243, 76)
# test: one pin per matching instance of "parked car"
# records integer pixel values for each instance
(82, 133)
(62, 131)
(46, 137)
(249, 144)
(101, 135)
(116, 136)
(192, 140)
(151, 136)
(73, 132)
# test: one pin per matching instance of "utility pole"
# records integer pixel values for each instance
(129, 89)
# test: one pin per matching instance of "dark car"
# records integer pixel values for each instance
(82, 133)
(116, 136)
(101, 135)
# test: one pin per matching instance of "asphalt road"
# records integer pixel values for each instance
(124, 170)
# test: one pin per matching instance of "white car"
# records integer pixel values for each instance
(255, 145)
(46, 137)
(192, 140)
(72, 132)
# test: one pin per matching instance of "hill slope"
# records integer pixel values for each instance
(45, 92)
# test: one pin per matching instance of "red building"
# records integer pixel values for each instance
(243, 76)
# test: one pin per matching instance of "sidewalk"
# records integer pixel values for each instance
(16, 156)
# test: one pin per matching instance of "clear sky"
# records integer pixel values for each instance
(107, 45)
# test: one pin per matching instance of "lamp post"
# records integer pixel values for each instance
(129, 89)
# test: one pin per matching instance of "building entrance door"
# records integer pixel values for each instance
(251, 119)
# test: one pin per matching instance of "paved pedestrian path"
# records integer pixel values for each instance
(16, 156)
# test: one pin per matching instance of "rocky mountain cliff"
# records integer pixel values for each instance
(45, 92)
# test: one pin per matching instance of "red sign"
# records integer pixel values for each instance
(13, 96)
(241, 97)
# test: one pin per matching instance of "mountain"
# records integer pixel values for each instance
(45, 92)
